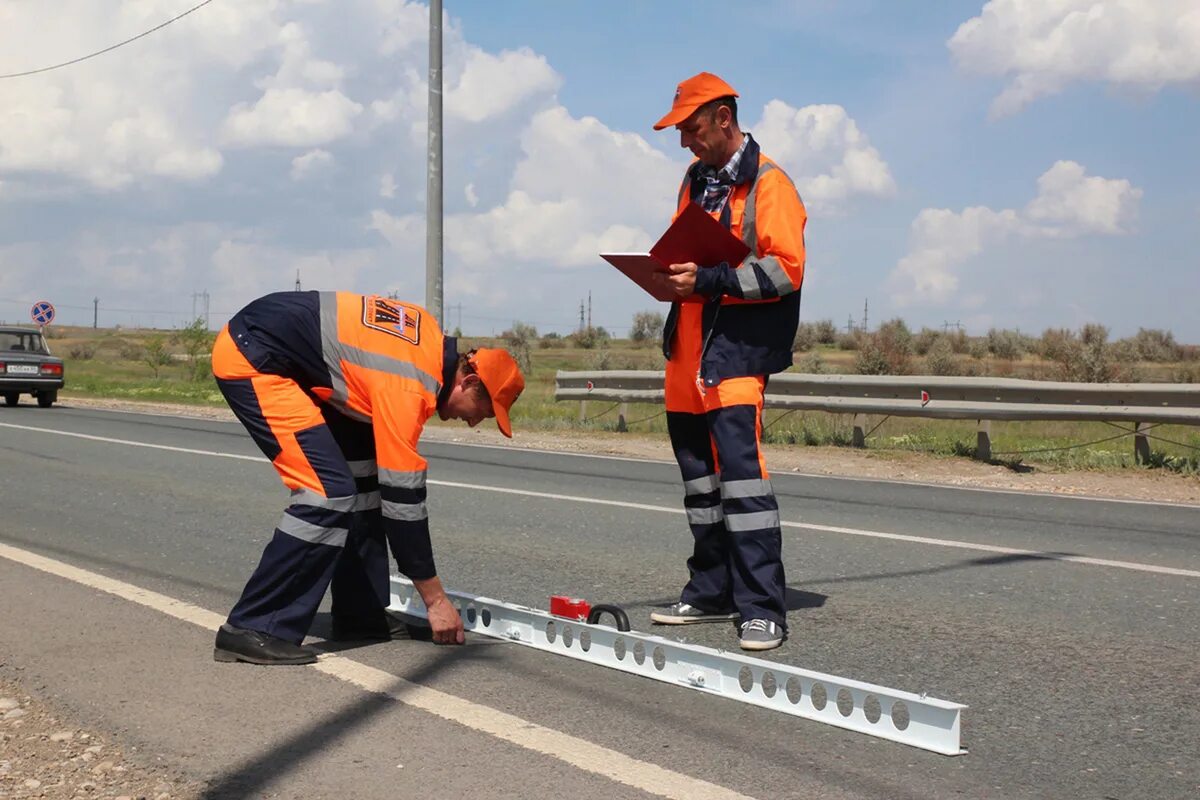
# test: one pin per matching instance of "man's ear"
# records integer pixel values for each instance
(469, 381)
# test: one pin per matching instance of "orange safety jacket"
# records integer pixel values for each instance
(376, 360)
(747, 321)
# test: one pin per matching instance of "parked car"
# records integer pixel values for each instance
(26, 367)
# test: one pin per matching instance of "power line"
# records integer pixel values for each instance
(107, 49)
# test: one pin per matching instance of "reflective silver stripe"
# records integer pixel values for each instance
(405, 512)
(749, 215)
(313, 534)
(752, 521)
(363, 469)
(366, 501)
(307, 497)
(770, 266)
(705, 516)
(331, 350)
(392, 366)
(701, 485)
(402, 480)
(753, 487)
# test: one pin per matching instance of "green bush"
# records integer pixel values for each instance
(925, 339)
(940, 360)
(805, 338)
(826, 331)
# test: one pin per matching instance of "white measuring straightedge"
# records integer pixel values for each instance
(904, 717)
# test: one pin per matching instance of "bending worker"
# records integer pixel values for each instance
(731, 327)
(335, 388)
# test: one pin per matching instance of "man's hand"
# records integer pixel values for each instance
(446, 623)
(680, 278)
(443, 616)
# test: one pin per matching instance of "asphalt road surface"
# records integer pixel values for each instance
(1068, 626)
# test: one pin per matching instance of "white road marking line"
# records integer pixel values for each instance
(443, 436)
(572, 750)
(899, 537)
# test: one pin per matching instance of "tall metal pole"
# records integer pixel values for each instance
(433, 190)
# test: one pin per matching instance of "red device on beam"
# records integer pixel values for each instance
(569, 607)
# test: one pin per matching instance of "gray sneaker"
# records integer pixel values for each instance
(760, 634)
(683, 614)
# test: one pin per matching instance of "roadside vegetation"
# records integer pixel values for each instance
(172, 366)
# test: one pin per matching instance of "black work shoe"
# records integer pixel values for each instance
(256, 647)
(389, 627)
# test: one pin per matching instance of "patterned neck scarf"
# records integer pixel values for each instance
(719, 181)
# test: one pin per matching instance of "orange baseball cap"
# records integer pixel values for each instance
(693, 93)
(503, 380)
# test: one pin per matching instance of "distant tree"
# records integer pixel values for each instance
(647, 326)
(925, 339)
(197, 341)
(1156, 345)
(805, 339)
(940, 359)
(826, 331)
(519, 339)
(1005, 344)
(154, 353)
(589, 338)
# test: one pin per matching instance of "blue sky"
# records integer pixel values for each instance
(1000, 164)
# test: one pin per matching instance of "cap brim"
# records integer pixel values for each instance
(502, 420)
(675, 116)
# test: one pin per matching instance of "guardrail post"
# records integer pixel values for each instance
(859, 437)
(582, 410)
(621, 413)
(983, 440)
(1141, 443)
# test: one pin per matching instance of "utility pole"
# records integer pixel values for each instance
(298, 280)
(433, 184)
(95, 311)
(849, 323)
(589, 327)
(581, 315)
(864, 327)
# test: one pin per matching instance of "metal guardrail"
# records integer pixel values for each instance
(934, 397)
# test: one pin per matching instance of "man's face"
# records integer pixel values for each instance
(704, 135)
(467, 401)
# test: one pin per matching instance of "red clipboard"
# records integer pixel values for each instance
(693, 236)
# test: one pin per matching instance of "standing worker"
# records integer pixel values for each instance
(335, 388)
(720, 352)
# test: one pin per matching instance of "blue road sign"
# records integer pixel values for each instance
(42, 312)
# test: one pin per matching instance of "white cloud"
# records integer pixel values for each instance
(387, 186)
(126, 115)
(489, 85)
(1068, 204)
(470, 195)
(579, 188)
(291, 117)
(310, 163)
(824, 152)
(1044, 46)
